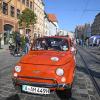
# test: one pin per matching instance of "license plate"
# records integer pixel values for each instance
(36, 90)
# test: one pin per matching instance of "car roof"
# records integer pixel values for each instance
(60, 37)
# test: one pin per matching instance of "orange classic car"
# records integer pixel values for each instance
(48, 66)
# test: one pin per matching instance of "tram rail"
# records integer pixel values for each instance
(97, 59)
(95, 83)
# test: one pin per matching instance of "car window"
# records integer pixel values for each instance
(50, 44)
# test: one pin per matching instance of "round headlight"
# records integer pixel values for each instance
(15, 74)
(17, 68)
(59, 71)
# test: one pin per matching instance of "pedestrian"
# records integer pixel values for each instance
(18, 44)
(98, 42)
(23, 45)
(81, 41)
(87, 42)
(27, 43)
(11, 43)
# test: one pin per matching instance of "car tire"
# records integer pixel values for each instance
(15, 86)
(64, 94)
(17, 89)
(68, 93)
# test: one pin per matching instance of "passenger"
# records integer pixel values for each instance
(44, 45)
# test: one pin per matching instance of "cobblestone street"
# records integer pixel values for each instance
(83, 88)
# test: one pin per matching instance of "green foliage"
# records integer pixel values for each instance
(22, 41)
(83, 37)
(14, 34)
(27, 18)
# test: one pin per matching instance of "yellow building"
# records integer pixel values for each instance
(39, 11)
(10, 13)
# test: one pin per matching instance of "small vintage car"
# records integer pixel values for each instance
(48, 66)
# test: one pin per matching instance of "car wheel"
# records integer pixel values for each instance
(68, 93)
(17, 89)
(64, 94)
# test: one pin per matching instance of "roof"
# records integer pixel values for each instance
(60, 37)
(52, 17)
(95, 36)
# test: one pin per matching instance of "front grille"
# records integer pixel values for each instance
(38, 79)
(20, 82)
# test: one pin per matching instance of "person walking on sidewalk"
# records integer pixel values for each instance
(27, 43)
(98, 42)
(18, 44)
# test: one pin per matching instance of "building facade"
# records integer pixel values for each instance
(62, 32)
(46, 25)
(39, 11)
(65, 33)
(79, 31)
(52, 29)
(87, 30)
(83, 31)
(95, 28)
(9, 17)
(53, 24)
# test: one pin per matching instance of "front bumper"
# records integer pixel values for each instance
(55, 86)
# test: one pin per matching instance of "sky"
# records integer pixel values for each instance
(73, 12)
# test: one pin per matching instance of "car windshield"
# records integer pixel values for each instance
(50, 44)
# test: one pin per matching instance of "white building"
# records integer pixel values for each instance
(71, 34)
(52, 29)
(65, 33)
(62, 32)
(53, 25)
(39, 11)
(46, 25)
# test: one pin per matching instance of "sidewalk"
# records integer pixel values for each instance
(4, 48)
(91, 48)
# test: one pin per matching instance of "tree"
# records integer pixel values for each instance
(27, 18)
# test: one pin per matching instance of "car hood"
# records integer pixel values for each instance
(47, 58)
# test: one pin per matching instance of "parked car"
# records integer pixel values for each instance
(48, 66)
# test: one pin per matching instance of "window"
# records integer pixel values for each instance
(58, 44)
(23, 1)
(35, 35)
(27, 3)
(18, 13)
(12, 11)
(5, 8)
(31, 4)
